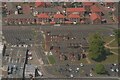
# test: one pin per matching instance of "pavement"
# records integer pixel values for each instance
(34, 32)
(63, 71)
(18, 35)
(14, 59)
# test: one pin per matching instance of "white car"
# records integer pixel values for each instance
(24, 45)
(12, 46)
(91, 74)
(112, 70)
(78, 68)
(30, 58)
(114, 64)
(40, 73)
(81, 64)
(108, 7)
(15, 46)
(116, 70)
(70, 69)
(112, 35)
(19, 45)
(74, 22)
(29, 53)
(71, 76)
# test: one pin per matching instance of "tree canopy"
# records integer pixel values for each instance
(96, 47)
(100, 69)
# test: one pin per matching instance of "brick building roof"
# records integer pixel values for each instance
(39, 3)
(42, 15)
(59, 16)
(75, 9)
(73, 16)
(87, 3)
(94, 16)
(94, 9)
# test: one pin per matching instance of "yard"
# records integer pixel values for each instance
(115, 50)
(51, 59)
(110, 38)
(113, 44)
(107, 39)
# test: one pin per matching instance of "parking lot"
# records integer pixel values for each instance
(80, 70)
(33, 35)
(18, 35)
(14, 58)
(14, 55)
(57, 49)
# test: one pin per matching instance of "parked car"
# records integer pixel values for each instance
(30, 58)
(81, 64)
(91, 74)
(29, 53)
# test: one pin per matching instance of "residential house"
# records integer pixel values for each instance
(74, 18)
(38, 3)
(95, 18)
(109, 4)
(58, 18)
(26, 9)
(87, 5)
(19, 19)
(80, 11)
(48, 11)
(43, 17)
(95, 9)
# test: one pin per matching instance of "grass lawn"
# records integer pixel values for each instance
(114, 44)
(109, 38)
(51, 59)
(114, 50)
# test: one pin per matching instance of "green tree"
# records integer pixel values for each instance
(96, 47)
(100, 69)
